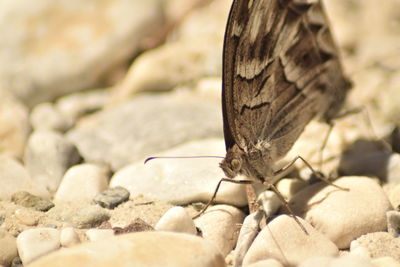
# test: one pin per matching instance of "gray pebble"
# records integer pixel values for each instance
(393, 222)
(90, 217)
(28, 200)
(112, 197)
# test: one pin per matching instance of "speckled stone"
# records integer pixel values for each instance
(28, 200)
(112, 197)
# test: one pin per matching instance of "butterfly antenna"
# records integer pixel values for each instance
(186, 157)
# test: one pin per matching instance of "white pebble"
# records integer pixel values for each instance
(220, 226)
(99, 234)
(176, 219)
(91, 178)
(26, 217)
(69, 237)
(34, 243)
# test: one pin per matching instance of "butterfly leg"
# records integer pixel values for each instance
(282, 198)
(216, 190)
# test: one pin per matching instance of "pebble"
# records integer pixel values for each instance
(291, 246)
(14, 125)
(138, 225)
(99, 234)
(8, 248)
(47, 157)
(28, 200)
(176, 219)
(34, 243)
(130, 131)
(69, 237)
(183, 181)
(380, 244)
(46, 116)
(89, 217)
(331, 210)
(247, 234)
(14, 178)
(112, 197)
(91, 178)
(138, 249)
(270, 202)
(26, 217)
(220, 226)
(76, 105)
(393, 222)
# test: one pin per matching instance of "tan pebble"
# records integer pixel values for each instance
(26, 217)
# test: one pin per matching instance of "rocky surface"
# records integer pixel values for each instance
(89, 90)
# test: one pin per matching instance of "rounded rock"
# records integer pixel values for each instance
(112, 197)
(69, 237)
(331, 210)
(176, 219)
(91, 178)
(99, 234)
(291, 246)
(138, 249)
(220, 226)
(34, 243)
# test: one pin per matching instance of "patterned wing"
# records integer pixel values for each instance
(280, 70)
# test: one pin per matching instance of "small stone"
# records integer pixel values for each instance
(393, 192)
(176, 219)
(291, 246)
(26, 217)
(331, 210)
(138, 225)
(247, 234)
(28, 200)
(270, 202)
(46, 116)
(385, 262)
(69, 237)
(34, 243)
(47, 156)
(8, 248)
(112, 197)
(90, 217)
(220, 226)
(138, 249)
(99, 234)
(91, 178)
(393, 222)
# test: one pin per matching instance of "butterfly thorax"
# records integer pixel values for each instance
(255, 163)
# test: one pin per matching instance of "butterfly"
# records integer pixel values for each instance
(281, 69)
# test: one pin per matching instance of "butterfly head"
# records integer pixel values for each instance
(255, 164)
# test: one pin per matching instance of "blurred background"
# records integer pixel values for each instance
(93, 71)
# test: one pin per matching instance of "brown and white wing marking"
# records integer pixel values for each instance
(280, 70)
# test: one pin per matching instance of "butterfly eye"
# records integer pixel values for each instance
(235, 165)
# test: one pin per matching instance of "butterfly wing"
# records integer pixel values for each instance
(280, 70)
